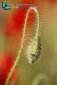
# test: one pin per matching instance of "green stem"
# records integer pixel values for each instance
(22, 43)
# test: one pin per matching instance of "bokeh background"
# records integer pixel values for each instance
(43, 72)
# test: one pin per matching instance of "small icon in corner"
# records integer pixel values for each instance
(5, 6)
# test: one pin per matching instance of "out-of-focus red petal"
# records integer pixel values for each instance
(6, 62)
(15, 23)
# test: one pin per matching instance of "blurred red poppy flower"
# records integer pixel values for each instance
(15, 22)
(6, 62)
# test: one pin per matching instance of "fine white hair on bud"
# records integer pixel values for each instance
(33, 50)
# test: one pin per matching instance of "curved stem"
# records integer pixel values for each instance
(22, 43)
